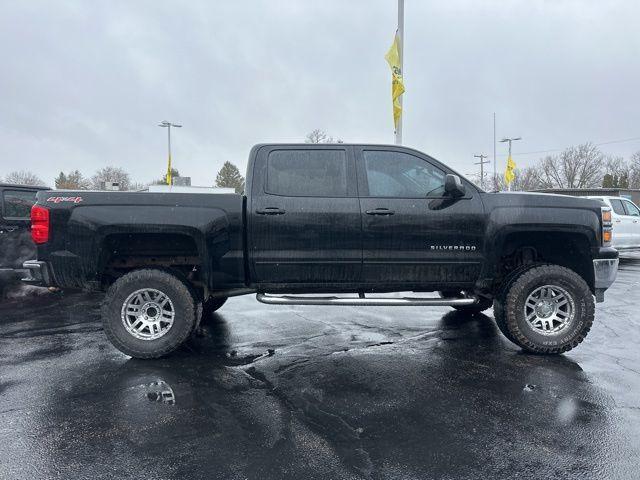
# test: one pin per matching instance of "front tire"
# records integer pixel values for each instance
(148, 313)
(547, 309)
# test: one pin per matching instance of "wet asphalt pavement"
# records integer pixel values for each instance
(318, 392)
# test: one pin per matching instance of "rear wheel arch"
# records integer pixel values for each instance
(179, 253)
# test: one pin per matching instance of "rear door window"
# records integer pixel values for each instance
(17, 203)
(617, 207)
(307, 173)
(631, 209)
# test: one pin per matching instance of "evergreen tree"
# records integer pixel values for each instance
(624, 181)
(73, 181)
(60, 181)
(229, 177)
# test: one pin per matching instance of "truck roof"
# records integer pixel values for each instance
(30, 187)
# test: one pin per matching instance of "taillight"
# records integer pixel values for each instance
(39, 224)
(607, 226)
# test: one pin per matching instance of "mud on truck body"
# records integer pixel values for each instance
(330, 219)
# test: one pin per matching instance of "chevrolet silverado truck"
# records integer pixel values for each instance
(327, 224)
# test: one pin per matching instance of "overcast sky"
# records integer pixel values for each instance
(84, 84)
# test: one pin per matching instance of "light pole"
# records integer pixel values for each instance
(482, 163)
(509, 157)
(168, 125)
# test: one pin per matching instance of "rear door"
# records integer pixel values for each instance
(633, 214)
(16, 245)
(622, 224)
(413, 236)
(304, 216)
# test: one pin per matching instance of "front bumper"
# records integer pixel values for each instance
(38, 273)
(605, 271)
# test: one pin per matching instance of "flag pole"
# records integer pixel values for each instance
(509, 184)
(401, 55)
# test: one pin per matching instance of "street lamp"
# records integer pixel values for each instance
(168, 125)
(509, 157)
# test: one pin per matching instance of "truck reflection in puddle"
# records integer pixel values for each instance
(160, 392)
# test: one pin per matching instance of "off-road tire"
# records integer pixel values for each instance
(482, 305)
(501, 294)
(515, 323)
(184, 321)
(210, 306)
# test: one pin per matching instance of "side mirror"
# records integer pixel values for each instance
(453, 186)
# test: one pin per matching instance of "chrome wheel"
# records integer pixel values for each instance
(549, 309)
(147, 314)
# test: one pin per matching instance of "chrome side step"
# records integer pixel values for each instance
(362, 301)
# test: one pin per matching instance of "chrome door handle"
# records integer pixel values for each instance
(380, 211)
(271, 211)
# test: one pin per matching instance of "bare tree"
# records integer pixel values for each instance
(634, 170)
(137, 187)
(163, 181)
(319, 136)
(526, 179)
(111, 174)
(24, 177)
(576, 167)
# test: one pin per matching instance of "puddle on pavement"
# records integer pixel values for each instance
(160, 392)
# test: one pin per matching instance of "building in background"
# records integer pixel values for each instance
(185, 189)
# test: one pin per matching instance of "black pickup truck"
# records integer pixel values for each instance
(330, 219)
(16, 245)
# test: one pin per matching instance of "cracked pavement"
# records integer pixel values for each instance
(318, 392)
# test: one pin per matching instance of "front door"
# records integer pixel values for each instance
(633, 216)
(413, 235)
(16, 245)
(304, 225)
(622, 224)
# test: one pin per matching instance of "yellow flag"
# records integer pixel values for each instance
(397, 85)
(509, 173)
(169, 179)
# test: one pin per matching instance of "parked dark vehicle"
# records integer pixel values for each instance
(16, 245)
(319, 219)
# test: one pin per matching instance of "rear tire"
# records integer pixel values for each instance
(547, 309)
(148, 313)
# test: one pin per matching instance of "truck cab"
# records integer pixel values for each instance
(361, 218)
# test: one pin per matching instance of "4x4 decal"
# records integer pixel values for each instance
(64, 199)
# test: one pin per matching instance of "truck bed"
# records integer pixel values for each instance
(92, 231)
